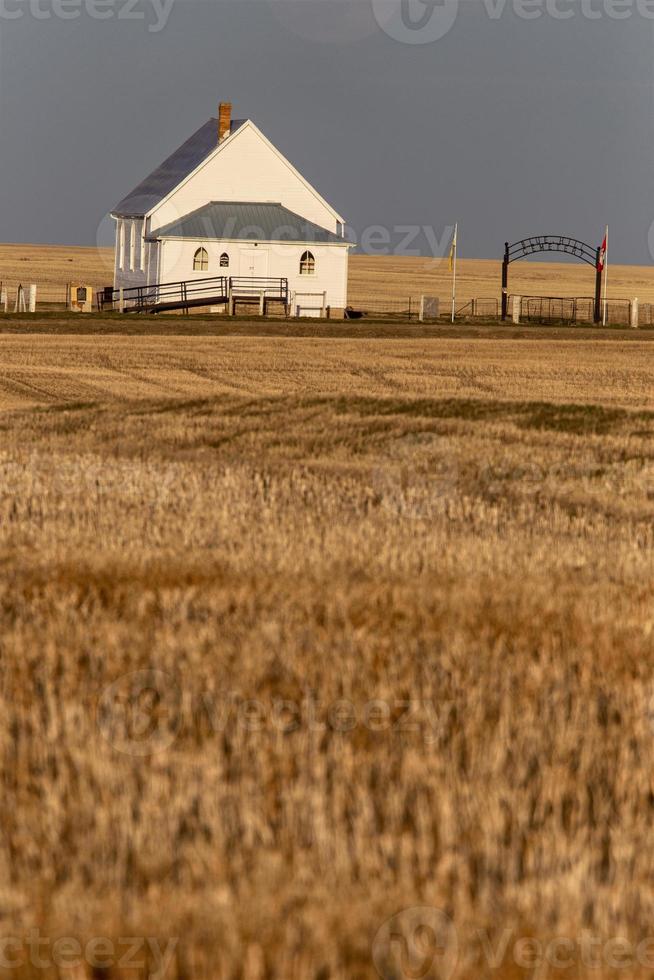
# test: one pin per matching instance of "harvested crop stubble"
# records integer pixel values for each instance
(351, 629)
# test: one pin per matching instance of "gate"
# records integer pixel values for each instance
(553, 243)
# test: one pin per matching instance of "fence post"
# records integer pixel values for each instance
(4, 300)
(633, 318)
(505, 280)
(121, 300)
(517, 308)
(31, 298)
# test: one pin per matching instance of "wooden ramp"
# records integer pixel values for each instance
(190, 293)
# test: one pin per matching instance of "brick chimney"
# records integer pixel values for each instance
(224, 120)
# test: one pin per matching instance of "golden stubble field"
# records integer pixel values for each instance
(326, 659)
(372, 278)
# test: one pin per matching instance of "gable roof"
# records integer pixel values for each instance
(248, 221)
(173, 170)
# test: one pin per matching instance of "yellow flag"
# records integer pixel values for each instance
(453, 250)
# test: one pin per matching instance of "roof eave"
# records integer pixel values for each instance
(339, 243)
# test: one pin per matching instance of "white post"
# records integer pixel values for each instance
(262, 302)
(4, 300)
(634, 314)
(606, 276)
(121, 300)
(453, 252)
(517, 308)
(31, 298)
(323, 312)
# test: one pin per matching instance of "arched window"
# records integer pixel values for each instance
(200, 260)
(224, 261)
(307, 264)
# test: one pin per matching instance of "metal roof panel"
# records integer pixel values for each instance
(173, 170)
(247, 221)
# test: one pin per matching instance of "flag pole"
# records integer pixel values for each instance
(454, 251)
(606, 274)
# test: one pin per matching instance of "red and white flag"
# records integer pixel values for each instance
(602, 252)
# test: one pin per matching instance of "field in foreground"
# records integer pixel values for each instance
(299, 635)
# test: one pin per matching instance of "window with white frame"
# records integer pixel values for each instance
(201, 260)
(224, 261)
(307, 264)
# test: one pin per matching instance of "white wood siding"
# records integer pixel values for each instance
(283, 262)
(245, 169)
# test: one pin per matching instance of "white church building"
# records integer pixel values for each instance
(228, 204)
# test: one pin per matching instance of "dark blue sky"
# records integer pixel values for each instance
(511, 126)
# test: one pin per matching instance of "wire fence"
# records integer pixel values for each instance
(551, 309)
(405, 308)
(484, 307)
(646, 315)
(618, 312)
(55, 297)
(50, 297)
(409, 307)
(578, 309)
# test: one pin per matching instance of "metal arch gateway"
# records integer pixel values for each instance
(552, 243)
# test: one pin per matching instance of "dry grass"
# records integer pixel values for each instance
(370, 276)
(58, 265)
(276, 527)
(388, 276)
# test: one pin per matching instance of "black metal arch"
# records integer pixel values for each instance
(552, 243)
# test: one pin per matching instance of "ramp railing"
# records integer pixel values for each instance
(191, 292)
(172, 295)
(243, 286)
